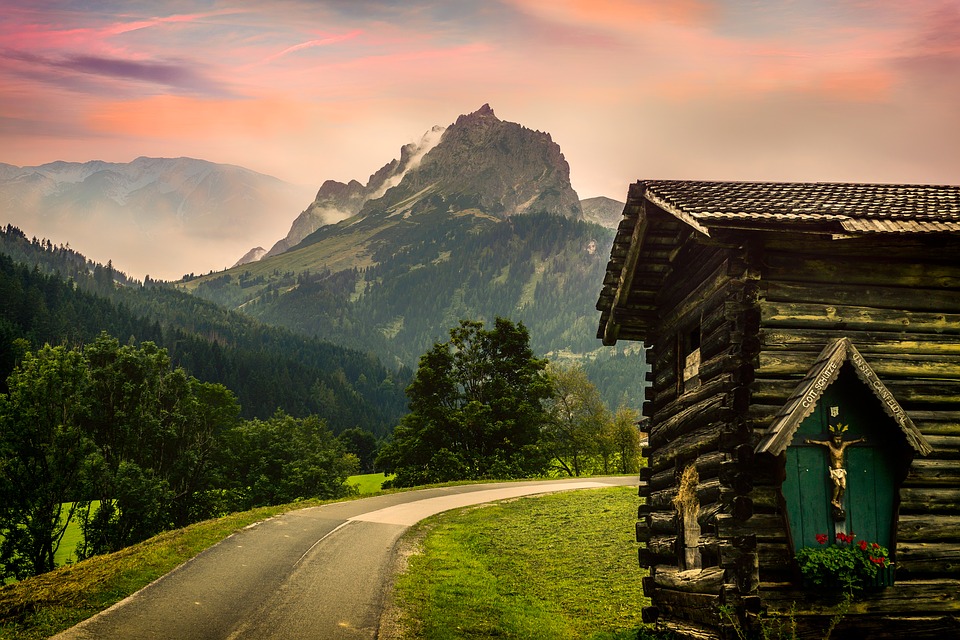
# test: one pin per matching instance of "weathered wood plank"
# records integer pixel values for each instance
(784, 363)
(928, 558)
(916, 499)
(696, 607)
(875, 294)
(918, 597)
(867, 342)
(695, 443)
(690, 419)
(864, 270)
(706, 580)
(765, 526)
(807, 315)
(928, 527)
(927, 472)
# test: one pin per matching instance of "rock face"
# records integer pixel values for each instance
(158, 207)
(482, 162)
(479, 163)
(337, 201)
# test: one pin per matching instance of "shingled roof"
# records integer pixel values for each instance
(659, 209)
(856, 207)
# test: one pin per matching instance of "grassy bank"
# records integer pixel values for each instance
(554, 566)
(41, 606)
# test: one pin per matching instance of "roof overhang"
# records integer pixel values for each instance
(824, 372)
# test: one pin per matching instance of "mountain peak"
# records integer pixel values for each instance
(484, 113)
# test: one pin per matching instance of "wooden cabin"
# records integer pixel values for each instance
(778, 316)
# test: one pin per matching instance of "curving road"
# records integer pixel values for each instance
(320, 572)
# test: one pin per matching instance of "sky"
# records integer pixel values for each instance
(308, 90)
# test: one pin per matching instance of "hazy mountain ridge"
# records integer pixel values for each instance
(160, 209)
(604, 211)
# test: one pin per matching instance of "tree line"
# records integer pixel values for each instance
(53, 294)
(114, 437)
(483, 406)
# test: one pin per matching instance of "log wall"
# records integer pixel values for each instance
(709, 291)
(765, 307)
(900, 306)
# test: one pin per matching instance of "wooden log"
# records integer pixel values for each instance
(662, 499)
(928, 558)
(869, 270)
(765, 499)
(867, 342)
(807, 315)
(928, 527)
(713, 388)
(944, 446)
(692, 290)
(643, 532)
(911, 597)
(937, 423)
(690, 419)
(663, 522)
(877, 294)
(763, 526)
(702, 608)
(702, 440)
(706, 580)
(689, 631)
(663, 479)
(920, 499)
(933, 472)
(708, 465)
(783, 363)
(708, 492)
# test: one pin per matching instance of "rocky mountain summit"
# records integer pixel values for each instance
(478, 163)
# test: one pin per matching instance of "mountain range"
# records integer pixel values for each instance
(477, 219)
(160, 212)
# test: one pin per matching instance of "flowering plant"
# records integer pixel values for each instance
(842, 563)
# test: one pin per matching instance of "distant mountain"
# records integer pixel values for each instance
(478, 220)
(251, 256)
(603, 211)
(152, 214)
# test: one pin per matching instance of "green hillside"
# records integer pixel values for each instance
(54, 295)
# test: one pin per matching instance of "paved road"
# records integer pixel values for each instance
(319, 573)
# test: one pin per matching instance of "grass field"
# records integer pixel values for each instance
(368, 483)
(558, 566)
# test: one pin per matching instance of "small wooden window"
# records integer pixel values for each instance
(688, 365)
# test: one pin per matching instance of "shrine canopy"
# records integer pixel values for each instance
(824, 372)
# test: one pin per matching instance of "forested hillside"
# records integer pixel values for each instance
(52, 294)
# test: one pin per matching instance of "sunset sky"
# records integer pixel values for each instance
(306, 90)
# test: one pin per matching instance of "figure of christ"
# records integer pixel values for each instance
(838, 474)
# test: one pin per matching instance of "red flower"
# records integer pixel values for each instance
(876, 546)
(863, 545)
(822, 538)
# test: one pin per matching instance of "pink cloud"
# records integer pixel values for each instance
(322, 42)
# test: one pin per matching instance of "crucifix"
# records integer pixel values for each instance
(836, 445)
